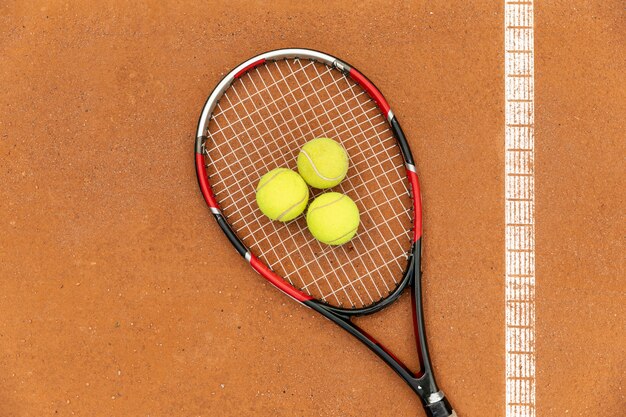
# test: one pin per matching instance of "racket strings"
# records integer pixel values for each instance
(260, 123)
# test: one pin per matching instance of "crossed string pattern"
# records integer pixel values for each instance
(260, 123)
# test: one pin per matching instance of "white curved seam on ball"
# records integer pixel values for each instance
(284, 213)
(268, 181)
(344, 235)
(325, 205)
(319, 174)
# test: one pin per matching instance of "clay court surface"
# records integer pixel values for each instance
(120, 296)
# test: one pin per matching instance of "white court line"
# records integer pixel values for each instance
(519, 208)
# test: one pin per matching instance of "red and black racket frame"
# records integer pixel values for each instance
(421, 382)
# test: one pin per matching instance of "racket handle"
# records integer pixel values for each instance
(440, 408)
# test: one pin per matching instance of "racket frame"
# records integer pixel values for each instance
(422, 382)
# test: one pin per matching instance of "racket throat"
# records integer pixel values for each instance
(422, 383)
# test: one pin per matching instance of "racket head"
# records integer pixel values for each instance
(256, 119)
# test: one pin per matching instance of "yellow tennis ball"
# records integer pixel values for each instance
(333, 218)
(323, 163)
(282, 194)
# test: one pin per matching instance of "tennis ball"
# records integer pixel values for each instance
(282, 194)
(323, 163)
(333, 218)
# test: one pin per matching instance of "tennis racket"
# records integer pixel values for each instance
(257, 119)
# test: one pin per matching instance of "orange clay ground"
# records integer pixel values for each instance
(119, 295)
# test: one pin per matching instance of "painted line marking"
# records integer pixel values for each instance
(519, 209)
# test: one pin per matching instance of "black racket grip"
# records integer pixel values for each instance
(441, 408)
